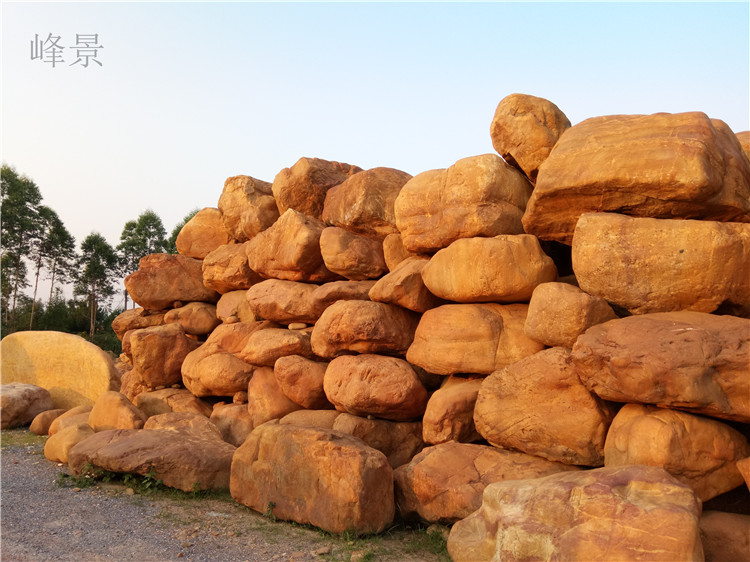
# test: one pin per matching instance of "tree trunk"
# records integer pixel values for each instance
(15, 285)
(52, 281)
(36, 286)
(92, 303)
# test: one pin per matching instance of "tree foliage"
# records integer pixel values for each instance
(139, 238)
(97, 272)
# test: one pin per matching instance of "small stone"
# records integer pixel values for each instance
(76, 489)
(129, 491)
(297, 326)
(322, 550)
(180, 554)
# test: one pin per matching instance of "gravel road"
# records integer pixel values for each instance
(43, 516)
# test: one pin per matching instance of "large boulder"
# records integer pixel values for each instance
(328, 293)
(394, 251)
(301, 380)
(162, 280)
(233, 421)
(688, 360)
(112, 410)
(169, 400)
(398, 441)
(20, 403)
(202, 234)
(233, 307)
(500, 269)
(265, 400)
(405, 287)
(471, 338)
(196, 318)
(247, 207)
(134, 319)
(664, 166)
(283, 301)
(352, 255)
(658, 265)
(58, 446)
(73, 416)
(310, 475)
(476, 196)
(725, 536)
(537, 405)
(627, 513)
(158, 353)
(73, 370)
(40, 424)
(226, 269)
(449, 415)
(264, 347)
(185, 423)
(524, 130)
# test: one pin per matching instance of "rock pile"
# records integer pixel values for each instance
(366, 342)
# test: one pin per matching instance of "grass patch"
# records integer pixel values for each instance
(20, 437)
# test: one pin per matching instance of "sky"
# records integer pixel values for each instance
(188, 94)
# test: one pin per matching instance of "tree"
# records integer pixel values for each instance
(139, 238)
(172, 242)
(97, 273)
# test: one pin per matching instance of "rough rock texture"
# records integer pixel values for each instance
(158, 353)
(364, 327)
(202, 234)
(725, 536)
(171, 400)
(301, 380)
(449, 415)
(352, 255)
(500, 269)
(405, 287)
(58, 446)
(664, 166)
(196, 318)
(394, 251)
(134, 319)
(364, 202)
(524, 130)
(386, 387)
(698, 451)
(688, 360)
(560, 312)
(283, 301)
(471, 338)
(73, 370)
(743, 466)
(40, 424)
(477, 196)
(311, 475)
(303, 186)
(233, 307)
(227, 269)
(234, 422)
(264, 347)
(537, 405)
(629, 513)
(327, 294)
(247, 207)
(444, 483)
(398, 441)
(20, 403)
(265, 400)
(312, 418)
(187, 463)
(744, 138)
(165, 279)
(190, 423)
(290, 250)
(78, 414)
(654, 265)
(112, 410)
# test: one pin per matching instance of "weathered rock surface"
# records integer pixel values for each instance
(301, 380)
(112, 410)
(58, 446)
(368, 384)
(688, 360)
(40, 424)
(628, 513)
(190, 423)
(364, 202)
(158, 353)
(165, 279)
(537, 405)
(290, 250)
(247, 207)
(471, 338)
(725, 536)
(311, 418)
(328, 293)
(476, 196)
(265, 400)
(363, 327)
(304, 185)
(74, 416)
(187, 463)
(744, 138)
(524, 130)
(264, 347)
(698, 451)
(196, 318)
(398, 441)
(234, 422)
(743, 466)
(20, 403)
(73, 370)
(202, 234)
(233, 307)
(171, 400)
(134, 319)
(311, 475)
(394, 251)
(405, 287)
(444, 483)
(227, 269)
(654, 265)
(449, 415)
(351, 255)
(283, 301)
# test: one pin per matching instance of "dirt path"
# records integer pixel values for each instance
(45, 516)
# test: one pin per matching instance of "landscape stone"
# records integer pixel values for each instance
(233, 307)
(283, 301)
(112, 410)
(265, 400)
(394, 251)
(227, 269)
(301, 380)
(725, 536)
(202, 234)
(158, 353)
(57, 447)
(247, 207)
(170, 400)
(312, 418)
(264, 347)
(74, 416)
(196, 318)
(21, 402)
(449, 415)
(405, 287)
(134, 319)
(328, 293)
(234, 422)
(351, 255)
(190, 423)
(40, 424)
(398, 441)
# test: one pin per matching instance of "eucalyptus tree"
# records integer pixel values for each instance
(98, 271)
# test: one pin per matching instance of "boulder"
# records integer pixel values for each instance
(264, 347)
(385, 387)
(132, 385)
(185, 423)
(502, 269)
(698, 451)
(20, 403)
(364, 202)
(537, 405)
(725, 536)
(398, 441)
(449, 415)
(227, 269)
(171, 400)
(134, 319)
(394, 251)
(233, 307)
(444, 483)
(311, 418)
(476, 196)
(471, 338)
(163, 280)
(743, 465)
(196, 318)
(74, 416)
(311, 475)
(688, 360)
(405, 287)
(560, 312)
(58, 446)
(247, 207)
(301, 380)
(363, 327)
(290, 250)
(265, 400)
(628, 513)
(234, 422)
(73, 370)
(352, 255)
(524, 130)
(744, 138)
(202, 234)
(188, 463)
(303, 186)
(112, 410)
(40, 424)
(158, 353)
(283, 301)
(655, 265)
(328, 293)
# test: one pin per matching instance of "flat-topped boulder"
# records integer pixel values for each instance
(247, 207)
(283, 301)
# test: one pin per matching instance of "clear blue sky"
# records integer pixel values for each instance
(191, 93)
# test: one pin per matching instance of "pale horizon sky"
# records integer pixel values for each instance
(189, 94)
